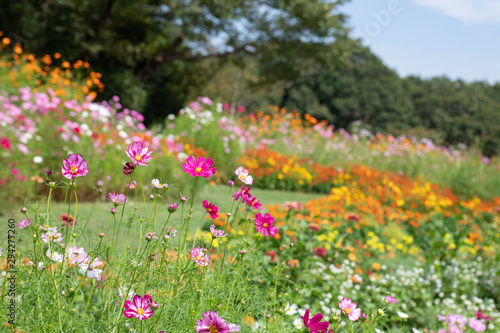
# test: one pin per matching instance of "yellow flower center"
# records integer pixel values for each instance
(140, 311)
(198, 257)
(264, 225)
(74, 170)
(210, 209)
(138, 157)
(212, 329)
(198, 169)
(347, 310)
(242, 177)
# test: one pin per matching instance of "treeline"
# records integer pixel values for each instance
(444, 110)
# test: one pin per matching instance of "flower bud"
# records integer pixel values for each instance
(128, 168)
(101, 234)
(230, 182)
(154, 305)
(24, 209)
(380, 312)
(113, 210)
(183, 198)
(52, 184)
(243, 251)
(173, 207)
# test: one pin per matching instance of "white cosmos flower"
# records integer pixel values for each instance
(298, 323)
(54, 256)
(37, 159)
(290, 309)
(403, 315)
(242, 174)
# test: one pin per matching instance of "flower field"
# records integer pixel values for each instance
(403, 239)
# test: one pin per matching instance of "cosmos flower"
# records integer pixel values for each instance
(477, 325)
(212, 323)
(157, 184)
(217, 233)
(91, 270)
(315, 325)
(348, 307)
(212, 209)
(138, 154)
(200, 257)
(55, 256)
(390, 299)
(139, 308)
(24, 223)
(265, 225)
(242, 174)
(200, 167)
(74, 166)
(51, 236)
(76, 255)
(117, 199)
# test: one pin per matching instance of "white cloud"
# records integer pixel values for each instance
(469, 11)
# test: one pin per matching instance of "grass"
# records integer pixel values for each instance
(95, 218)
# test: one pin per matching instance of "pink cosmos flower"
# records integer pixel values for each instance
(74, 166)
(117, 199)
(200, 167)
(477, 325)
(200, 257)
(212, 323)
(52, 236)
(315, 325)
(390, 299)
(458, 319)
(265, 225)
(140, 307)
(76, 255)
(348, 307)
(24, 223)
(242, 174)
(138, 154)
(212, 209)
(132, 185)
(217, 233)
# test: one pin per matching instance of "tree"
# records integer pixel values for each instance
(366, 90)
(145, 46)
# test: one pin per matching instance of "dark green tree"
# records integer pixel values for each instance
(366, 90)
(152, 48)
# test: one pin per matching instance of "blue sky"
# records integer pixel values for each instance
(456, 38)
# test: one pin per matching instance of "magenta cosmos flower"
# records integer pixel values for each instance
(118, 199)
(140, 307)
(265, 225)
(217, 233)
(348, 307)
(315, 325)
(212, 209)
(200, 257)
(138, 154)
(242, 174)
(212, 323)
(200, 167)
(74, 166)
